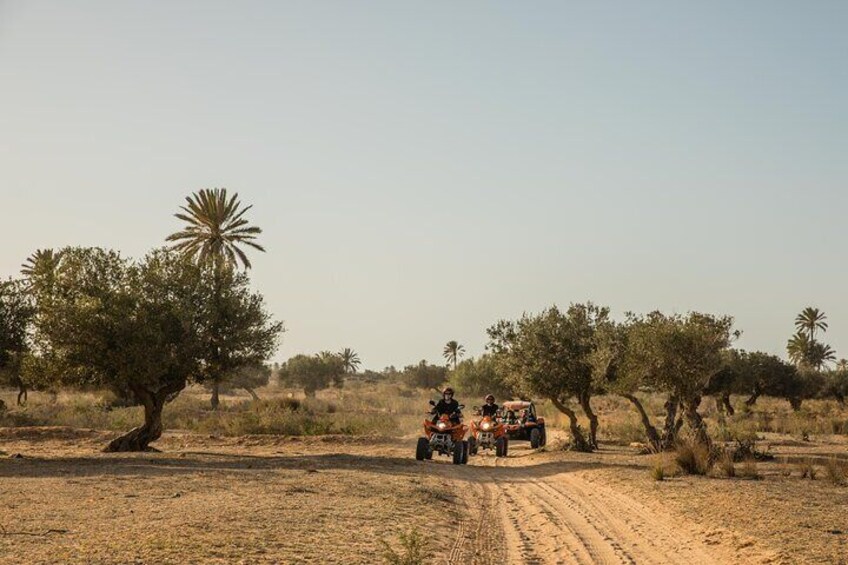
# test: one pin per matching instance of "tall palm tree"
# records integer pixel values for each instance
(350, 360)
(214, 234)
(216, 229)
(798, 348)
(41, 265)
(820, 354)
(809, 320)
(452, 352)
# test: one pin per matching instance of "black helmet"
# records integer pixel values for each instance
(490, 398)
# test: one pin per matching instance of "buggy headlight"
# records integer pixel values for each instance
(441, 425)
(486, 426)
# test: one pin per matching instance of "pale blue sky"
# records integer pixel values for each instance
(422, 169)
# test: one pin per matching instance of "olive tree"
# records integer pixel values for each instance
(312, 372)
(138, 326)
(234, 311)
(676, 355)
(549, 354)
(16, 312)
(424, 375)
(480, 377)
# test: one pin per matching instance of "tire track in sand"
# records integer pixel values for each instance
(563, 519)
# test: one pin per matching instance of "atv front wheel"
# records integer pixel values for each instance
(465, 451)
(500, 447)
(422, 449)
(472, 445)
(458, 452)
(535, 438)
(544, 437)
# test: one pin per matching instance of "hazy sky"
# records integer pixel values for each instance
(421, 169)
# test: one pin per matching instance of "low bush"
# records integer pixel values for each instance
(837, 471)
(807, 469)
(412, 550)
(692, 457)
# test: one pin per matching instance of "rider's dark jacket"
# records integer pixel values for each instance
(448, 407)
(489, 410)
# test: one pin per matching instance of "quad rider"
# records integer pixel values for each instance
(489, 409)
(447, 405)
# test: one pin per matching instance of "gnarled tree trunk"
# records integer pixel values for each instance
(586, 405)
(578, 440)
(671, 425)
(22, 391)
(252, 393)
(140, 438)
(650, 430)
(695, 421)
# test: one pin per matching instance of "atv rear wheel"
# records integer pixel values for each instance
(506, 447)
(472, 445)
(544, 437)
(500, 447)
(458, 452)
(422, 449)
(535, 438)
(466, 450)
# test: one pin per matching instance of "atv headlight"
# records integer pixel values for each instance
(441, 425)
(486, 426)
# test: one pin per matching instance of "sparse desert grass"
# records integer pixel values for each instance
(836, 471)
(749, 469)
(662, 467)
(412, 550)
(725, 464)
(692, 457)
(807, 469)
(366, 408)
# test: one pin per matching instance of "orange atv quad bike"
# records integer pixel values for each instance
(527, 428)
(488, 433)
(445, 437)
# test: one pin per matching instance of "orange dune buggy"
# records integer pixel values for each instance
(445, 437)
(522, 424)
(488, 433)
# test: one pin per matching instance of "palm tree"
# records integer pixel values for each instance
(214, 233)
(452, 352)
(842, 365)
(350, 360)
(216, 229)
(42, 263)
(809, 320)
(798, 348)
(819, 354)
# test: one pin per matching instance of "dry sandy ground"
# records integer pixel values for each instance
(331, 500)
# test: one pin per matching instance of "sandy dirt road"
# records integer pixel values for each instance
(521, 512)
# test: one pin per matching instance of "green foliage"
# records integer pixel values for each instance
(312, 372)
(350, 360)
(413, 550)
(479, 377)
(549, 354)
(423, 375)
(675, 353)
(216, 229)
(16, 314)
(237, 330)
(143, 328)
(248, 377)
(452, 352)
